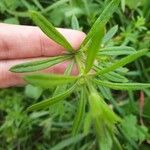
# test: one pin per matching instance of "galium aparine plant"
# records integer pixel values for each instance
(99, 70)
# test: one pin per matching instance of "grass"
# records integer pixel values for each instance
(51, 128)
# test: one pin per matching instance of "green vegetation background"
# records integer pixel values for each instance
(46, 129)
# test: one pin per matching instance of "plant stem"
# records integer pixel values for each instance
(79, 64)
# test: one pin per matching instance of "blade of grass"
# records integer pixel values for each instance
(123, 86)
(50, 30)
(38, 65)
(49, 80)
(123, 62)
(51, 101)
(93, 48)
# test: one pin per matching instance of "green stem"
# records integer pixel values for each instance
(18, 14)
(79, 64)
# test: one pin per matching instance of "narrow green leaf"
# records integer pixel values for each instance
(67, 142)
(116, 50)
(123, 5)
(86, 7)
(93, 48)
(104, 136)
(116, 144)
(87, 123)
(55, 5)
(99, 108)
(107, 94)
(79, 113)
(111, 76)
(50, 30)
(128, 139)
(115, 77)
(49, 80)
(102, 19)
(51, 101)
(38, 65)
(74, 23)
(123, 61)
(123, 86)
(104, 119)
(38, 5)
(110, 34)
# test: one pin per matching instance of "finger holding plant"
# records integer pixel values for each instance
(95, 72)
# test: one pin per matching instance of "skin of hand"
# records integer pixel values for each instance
(19, 44)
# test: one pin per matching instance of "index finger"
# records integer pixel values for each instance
(17, 41)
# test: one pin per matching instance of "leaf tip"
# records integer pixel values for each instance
(13, 69)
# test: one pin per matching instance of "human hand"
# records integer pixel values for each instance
(19, 44)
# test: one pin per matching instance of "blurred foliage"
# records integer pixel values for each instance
(51, 129)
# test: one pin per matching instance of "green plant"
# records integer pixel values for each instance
(100, 67)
